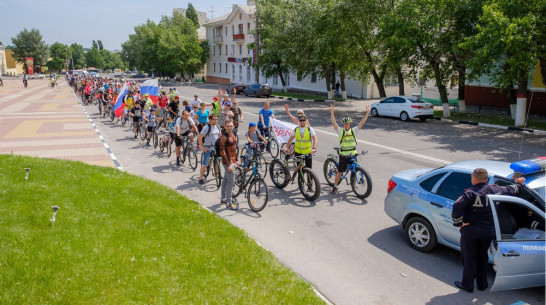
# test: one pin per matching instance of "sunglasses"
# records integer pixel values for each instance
(303, 120)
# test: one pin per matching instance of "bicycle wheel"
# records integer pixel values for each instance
(192, 157)
(161, 144)
(169, 147)
(138, 131)
(243, 151)
(308, 184)
(262, 165)
(143, 132)
(361, 183)
(123, 121)
(257, 194)
(330, 171)
(273, 148)
(112, 115)
(217, 173)
(279, 173)
(207, 168)
(239, 181)
(100, 107)
(155, 138)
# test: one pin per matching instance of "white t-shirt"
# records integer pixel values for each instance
(184, 125)
(210, 139)
(195, 103)
(340, 129)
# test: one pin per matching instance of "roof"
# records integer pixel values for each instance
(247, 9)
(497, 168)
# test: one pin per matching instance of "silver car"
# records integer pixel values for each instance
(421, 201)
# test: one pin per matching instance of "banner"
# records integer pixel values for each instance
(30, 65)
(118, 106)
(151, 87)
(283, 130)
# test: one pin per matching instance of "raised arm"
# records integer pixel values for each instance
(292, 118)
(332, 117)
(364, 118)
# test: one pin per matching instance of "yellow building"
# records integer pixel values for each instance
(8, 65)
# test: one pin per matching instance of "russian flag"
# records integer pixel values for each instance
(118, 106)
(151, 87)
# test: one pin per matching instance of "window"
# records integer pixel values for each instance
(233, 72)
(248, 73)
(214, 65)
(299, 78)
(454, 185)
(226, 69)
(233, 29)
(213, 50)
(399, 100)
(429, 183)
(240, 49)
(313, 77)
(275, 80)
(232, 49)
(226, 30)
(220, 50)
(388, 100)
(248, 27)
(287, 79)
(241, 28)
(220, 67)
(240, 73)
(515, 216)
(226, 49)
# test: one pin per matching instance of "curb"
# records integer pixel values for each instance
(302, 100)
(512, 128)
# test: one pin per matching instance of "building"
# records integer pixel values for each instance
(8, 65)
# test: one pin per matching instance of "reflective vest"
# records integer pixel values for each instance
(215, 108)
(347, 140)
(303, 144)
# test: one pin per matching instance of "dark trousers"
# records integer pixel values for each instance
(475, 242)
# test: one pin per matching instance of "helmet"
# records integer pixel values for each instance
(346, 120)
(251, 124)
(302, 117)
(146, 94)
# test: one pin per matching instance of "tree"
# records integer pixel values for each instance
(99, 43)
(191, 14)
(29, 44)
(93, 58)
(508, 44)
(77, 56)
(58, 53)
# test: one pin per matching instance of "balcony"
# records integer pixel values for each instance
(218, 39)
(239, 37)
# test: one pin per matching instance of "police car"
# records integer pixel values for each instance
(421, 201)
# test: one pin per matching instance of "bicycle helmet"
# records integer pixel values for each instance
(346, 120)
(302, 117)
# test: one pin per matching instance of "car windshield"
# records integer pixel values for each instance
(415, 100)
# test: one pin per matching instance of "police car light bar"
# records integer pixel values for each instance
(529, 166)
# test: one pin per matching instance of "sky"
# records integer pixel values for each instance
(82, 21)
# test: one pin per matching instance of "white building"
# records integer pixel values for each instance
(230, 58)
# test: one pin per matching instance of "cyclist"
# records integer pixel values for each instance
(263, 123)
(163, 101)
(225, 114)
(228, 151)
(1, 82)
(206, 139)
(253, 137)
(128, 103)
(306, 141)
(237, 114)
(147, 102)
(151, 122)
(53, 81)
(25, 80)
(347, 140)
(173, 107)
(136, 114)
(215, 106)
(184, 127)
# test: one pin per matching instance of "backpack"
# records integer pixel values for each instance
(217, 144)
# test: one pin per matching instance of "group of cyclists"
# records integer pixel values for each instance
(215, 133)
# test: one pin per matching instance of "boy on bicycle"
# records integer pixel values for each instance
(347, 140)
(206, 139)
(253, 137)
(151, 121)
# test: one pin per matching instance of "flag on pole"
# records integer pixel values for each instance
(283, 130)
(151, 87)
(118, 106)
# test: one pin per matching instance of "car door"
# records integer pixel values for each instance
(441, 201)
(519, 256)
(385, 107)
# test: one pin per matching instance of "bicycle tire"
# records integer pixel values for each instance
(169, 147)
(143, 132)
(192, 157)
(308, 179)
(257, 194)
(161, 144)
(279, 173)
(217, 173)
(330, 170)
(239, 181)
(262, 165)
(243, 152)
(273, 148)
(155, 138)
(112, 115)
(361, 177)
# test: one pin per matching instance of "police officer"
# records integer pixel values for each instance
(472, 213)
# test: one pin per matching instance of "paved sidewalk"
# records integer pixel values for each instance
(50, 123)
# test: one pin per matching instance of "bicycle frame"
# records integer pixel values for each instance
(352, 164)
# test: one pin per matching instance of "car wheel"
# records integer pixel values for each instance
(404, 116)
(374, 112)
(420, 234)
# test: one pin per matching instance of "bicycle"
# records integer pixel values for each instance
(165, 143)
(214, 162)
(155, 137)
(308, 182)
(188, 151)
(360, 180)
(257, 193)
(258, 156)
(272, 143)
(143, 127)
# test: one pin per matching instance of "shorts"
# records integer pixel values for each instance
(207, 156)
(342, 164)
(150, 128)
(308, 160)
(178, 141)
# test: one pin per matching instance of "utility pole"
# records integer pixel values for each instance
(257, 50)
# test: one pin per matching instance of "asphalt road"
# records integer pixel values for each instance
(348, 248)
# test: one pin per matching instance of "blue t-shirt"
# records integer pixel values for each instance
(203, 117)
(266, 115)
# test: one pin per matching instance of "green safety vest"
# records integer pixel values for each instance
(215, 108)
(348, 142)
(303, 144)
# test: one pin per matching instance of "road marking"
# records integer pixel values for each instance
(380, 146)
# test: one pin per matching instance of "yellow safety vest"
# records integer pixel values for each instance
(303, 144)
(347, 140)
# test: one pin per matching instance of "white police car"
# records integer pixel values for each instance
(421, 200)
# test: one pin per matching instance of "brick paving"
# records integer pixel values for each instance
(50, 123)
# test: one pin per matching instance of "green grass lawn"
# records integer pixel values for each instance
(491, 119)
(303, 96)
(122, 239)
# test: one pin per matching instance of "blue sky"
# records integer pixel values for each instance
(82, 21)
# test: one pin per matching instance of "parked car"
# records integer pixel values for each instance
(421, 201)
(403, 107)
(139, 75)
(240, 87)
(258, 90)
(36, 76)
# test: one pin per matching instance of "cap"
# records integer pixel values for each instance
(196, 95)
(145, 94)
(251, 124)
(215, 98)
(225, 95)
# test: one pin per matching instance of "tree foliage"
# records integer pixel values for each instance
(59, 53)
(29, 44)
(191, 14)
(77, 56)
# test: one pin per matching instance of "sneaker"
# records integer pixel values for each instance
(231, 206)
(201, 181)
(222, 201)
(147, 144)
(135, 136)
(334, 190)
(177, 162)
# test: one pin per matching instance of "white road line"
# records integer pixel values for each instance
(381, 146)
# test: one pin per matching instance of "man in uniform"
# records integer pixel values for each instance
(472, 213)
